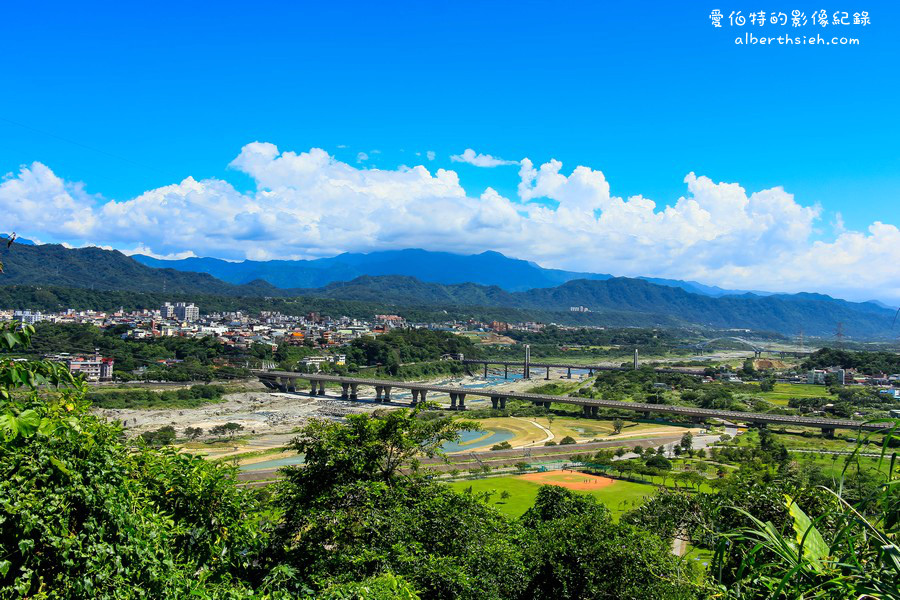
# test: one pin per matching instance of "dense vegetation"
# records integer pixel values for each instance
(85, 514)
(870, 363)
(189, 397)
(199, 358)
(596, 343)
(404, 346)
(100, 269)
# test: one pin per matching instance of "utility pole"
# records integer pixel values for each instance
(635, 359)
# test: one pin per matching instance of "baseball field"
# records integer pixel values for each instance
(619, 496)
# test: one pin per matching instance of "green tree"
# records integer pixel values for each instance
(230, 429)
(578, 551)
(163, 436)
(618, 424)
(86, 516)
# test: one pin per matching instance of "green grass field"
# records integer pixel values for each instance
(785, 391)
(619, 497)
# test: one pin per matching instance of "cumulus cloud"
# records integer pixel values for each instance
(480, 160)
(430, 155)
(310, 204)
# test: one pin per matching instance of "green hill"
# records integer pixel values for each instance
(96, 268)
(616, 301)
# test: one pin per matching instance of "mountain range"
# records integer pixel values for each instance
(487, 268)
(646, 300)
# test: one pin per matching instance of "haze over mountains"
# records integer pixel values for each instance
(484, 280)
(487, 268)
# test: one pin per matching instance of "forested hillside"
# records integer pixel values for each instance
(99, 269)
(616, 301)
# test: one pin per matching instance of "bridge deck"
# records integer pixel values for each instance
(633, 406)
(512, 363)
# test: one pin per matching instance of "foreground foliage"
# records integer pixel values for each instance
(84, 513)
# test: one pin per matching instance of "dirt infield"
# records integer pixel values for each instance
(572, 480)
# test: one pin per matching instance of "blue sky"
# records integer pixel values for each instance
(129, 98)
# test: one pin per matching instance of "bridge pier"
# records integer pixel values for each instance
(505, 371)
(595, 411)
(462, 402)
(345, 391)
(353, 393)
(502, 402)
(485, 370)
(828, 432)
(387, 393)
(453, 399)
(378, 390)
(415, 397)
(548, 374)
(590, 372)
(321, 388)
(495, 402)
(569, 373)
(586, 410)
(646, 414)
(312, 387)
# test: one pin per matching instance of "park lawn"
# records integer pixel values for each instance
(833, 464)
(619, 497)
(603, 429)
(526, 432)
(792, 441)
(785, 391)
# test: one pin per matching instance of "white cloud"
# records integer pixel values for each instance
(310, 204)
(480, 160)
(362, 157)
(430, 155)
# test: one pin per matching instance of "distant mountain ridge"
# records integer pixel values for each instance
(614, 299)
(96, 268)
(487, 268)
(815, 314)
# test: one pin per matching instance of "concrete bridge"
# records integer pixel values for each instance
(286, 381)
(526, 367)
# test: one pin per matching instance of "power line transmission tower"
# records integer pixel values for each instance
(839, 335)
(801, 340)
